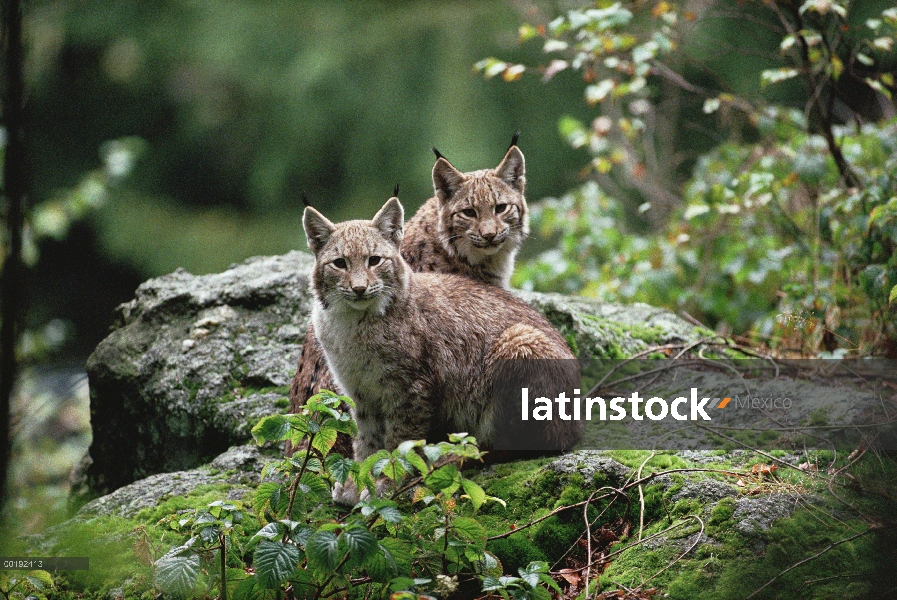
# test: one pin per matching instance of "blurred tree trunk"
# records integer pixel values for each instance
(11, 292)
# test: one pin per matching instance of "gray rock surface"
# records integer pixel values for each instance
(238, 466)
(190, 363)
(163, 383)
(589, 463)
(755, 515)
(705, 490)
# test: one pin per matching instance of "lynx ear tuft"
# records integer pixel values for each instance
(390, 220)
(317, 229)
(395, 191)
(446, 179)
(304, 199)
(437, 153)
(512, 169)
(514, 139)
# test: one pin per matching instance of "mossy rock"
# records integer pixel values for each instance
(193, 361)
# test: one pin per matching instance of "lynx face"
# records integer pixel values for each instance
(357, 263)
(483, 213)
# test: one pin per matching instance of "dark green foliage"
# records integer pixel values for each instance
(785, 230)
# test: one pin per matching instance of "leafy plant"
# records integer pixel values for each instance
(790, 237)
(413, 532)
(28, 585)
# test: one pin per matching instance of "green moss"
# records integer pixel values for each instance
(198, 498)
(721, 514)
(107, 542)
(516, 551)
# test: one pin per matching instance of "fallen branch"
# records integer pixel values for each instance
(806, 560)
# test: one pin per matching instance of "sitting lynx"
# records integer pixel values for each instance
(418, 351)
(473, 226)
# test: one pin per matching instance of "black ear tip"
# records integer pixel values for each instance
(395, 191)
(514, 139)
(437, 153)
(304, 199)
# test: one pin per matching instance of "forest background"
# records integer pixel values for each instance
(731, 160)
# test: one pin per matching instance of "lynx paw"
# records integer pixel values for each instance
(346, 494)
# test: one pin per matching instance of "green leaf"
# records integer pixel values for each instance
(394, 558)
(324, 440)
(248, 589)
(338, 466)
(445, 478)
(39, 579)
(475, 492)
(470, 530)
(274, 562)
(417, 462)
(893, 295)
(360, 542)
(345, 424)
(266, 493)
(390, 514)
(313, 484)
(322, 550)
(433, 453)
(394, 469)
(176, 575)
(273, 428)
(268, 532)
(492, 584)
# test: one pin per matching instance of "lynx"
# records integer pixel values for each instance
(473, 226)
(418, 351)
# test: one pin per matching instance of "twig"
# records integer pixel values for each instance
(641, 497)
(821, 579)
(681, 556)
(336, 569)
(585, 516)
(806, 560)
(295, 486)
(620, 491)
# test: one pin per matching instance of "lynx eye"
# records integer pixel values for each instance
(500, 208)
(469, 212)
(373, 261)
(340, 263)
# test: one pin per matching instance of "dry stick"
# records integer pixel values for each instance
(641, 497)
(595, 520)
(821, 579)
(686, 347)
(829, 481)
(599, 515)
(681, 556)
(585, 516)
(633, 544)
(806, 560)
(620, 491)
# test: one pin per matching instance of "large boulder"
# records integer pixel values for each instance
(193, 361)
